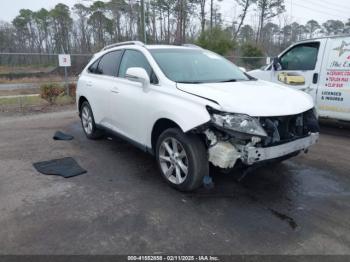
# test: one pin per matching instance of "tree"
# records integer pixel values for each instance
(268, 34)
(244, 4)
(62, 27)
(99, 23)
(23, 24)
(82, 12)
(212, 13)
(297, 32)
(250, 50)
(202, 12)
(42, 21)
(347, 27)
(182, 9)
(311, 27)
(216, 40)
(246, 34)
(166, 21)
(268, 9)
(117, 8)
(333, 27)
(7, 37)
(167, 7)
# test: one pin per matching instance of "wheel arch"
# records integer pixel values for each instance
(159, 127)
(82, 99)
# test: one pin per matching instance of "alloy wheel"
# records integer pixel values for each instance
(86, 118)
(173, 160)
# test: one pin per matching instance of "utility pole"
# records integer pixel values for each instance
(143, 21)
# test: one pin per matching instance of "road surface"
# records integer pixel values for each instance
(122, 206)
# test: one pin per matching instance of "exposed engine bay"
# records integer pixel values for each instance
(285, 135)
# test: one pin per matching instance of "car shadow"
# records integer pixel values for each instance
(335, 128)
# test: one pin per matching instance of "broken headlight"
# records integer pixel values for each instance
(238, 122)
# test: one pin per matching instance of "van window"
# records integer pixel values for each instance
(302, 57)
(109, 63)
(133, 58)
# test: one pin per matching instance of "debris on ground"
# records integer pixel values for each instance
(66, 167)
(62, 136)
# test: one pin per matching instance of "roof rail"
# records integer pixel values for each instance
(192, 45)
(123, 43)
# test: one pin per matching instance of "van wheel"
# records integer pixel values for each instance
(182, 159)
(88, 122)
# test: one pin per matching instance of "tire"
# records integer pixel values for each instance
(189, 154)
(88, 122)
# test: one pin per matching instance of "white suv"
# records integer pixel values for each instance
(191, 107)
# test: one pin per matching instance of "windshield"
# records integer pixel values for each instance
(196, 66)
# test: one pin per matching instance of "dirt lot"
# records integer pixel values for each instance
(122, 206)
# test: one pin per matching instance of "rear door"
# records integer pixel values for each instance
(301, 66)
(101, 79)
(333, 97)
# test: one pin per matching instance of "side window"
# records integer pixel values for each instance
(301, 57)
(109, 63)
(93, 68)
(133, 58)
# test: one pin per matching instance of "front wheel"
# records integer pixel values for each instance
(182, 159)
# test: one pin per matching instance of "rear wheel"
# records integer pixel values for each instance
(182, 159)
(88, 122)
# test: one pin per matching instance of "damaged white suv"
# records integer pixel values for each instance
(191, 107)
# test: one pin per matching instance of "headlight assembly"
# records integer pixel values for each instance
(239, 123)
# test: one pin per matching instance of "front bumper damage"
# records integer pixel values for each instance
(251, 155)
(285, 136)
(225, 154)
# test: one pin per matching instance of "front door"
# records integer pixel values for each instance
(129, 101)
(300, 67)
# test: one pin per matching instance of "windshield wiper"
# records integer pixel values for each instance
(229, 80)
(190, 82)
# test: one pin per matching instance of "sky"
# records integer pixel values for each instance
(297, 10)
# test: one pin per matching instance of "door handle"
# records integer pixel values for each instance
(89, 84)
(315, 78)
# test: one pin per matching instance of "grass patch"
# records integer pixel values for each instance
(16, 92)
(26, 69)
(24, 101)
(65, 100)
(38, 80)
(33, 101)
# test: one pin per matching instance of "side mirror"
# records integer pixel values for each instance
(276, 63)
(138, 74)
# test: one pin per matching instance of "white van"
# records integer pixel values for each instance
(320, 67)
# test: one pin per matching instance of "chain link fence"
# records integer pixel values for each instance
(28, 79)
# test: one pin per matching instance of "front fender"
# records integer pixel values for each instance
(187, 115)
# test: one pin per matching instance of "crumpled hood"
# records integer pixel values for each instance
(254, 98)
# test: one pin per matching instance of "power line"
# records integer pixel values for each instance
(312, 9)
(328, 7)
(332, 4)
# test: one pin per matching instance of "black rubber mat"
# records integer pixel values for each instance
(65, 167)
(62, 136)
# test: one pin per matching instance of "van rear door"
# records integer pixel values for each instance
(333, 96)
